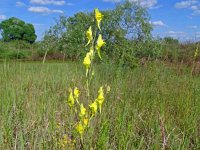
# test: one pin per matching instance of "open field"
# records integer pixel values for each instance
(150, 107)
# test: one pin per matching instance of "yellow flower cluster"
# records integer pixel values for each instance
(100, 42)
(66, 142)
(91, 110)
(100, 98)
(82, 125)
(87, 62)
(73, 95)
(82, 111)
(80, 128)
(70, 100)
(76, 93)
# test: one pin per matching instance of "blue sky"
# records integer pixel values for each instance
(175, 18)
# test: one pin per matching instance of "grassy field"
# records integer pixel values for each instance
(151, 107)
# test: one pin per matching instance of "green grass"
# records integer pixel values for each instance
(142, 102)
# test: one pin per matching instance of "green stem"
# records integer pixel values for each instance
(71, 112)
(89, 73)
(88, 89)
(82, 145)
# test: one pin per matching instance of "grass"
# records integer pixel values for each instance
(151, 107)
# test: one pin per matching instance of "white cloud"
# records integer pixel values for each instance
(146, 3)
(156, 6)
(57, 11)
(158, 23)
(38, 24)
(69, 4)
(48, 2)
(43, 10)
(114, 1)
(193, 5)
(197, 35)
(185, 4)
(196, 12)
(20, 4)
(2, 17)
(176, 34)
(182, 36)
(143, 3)
(193, 27)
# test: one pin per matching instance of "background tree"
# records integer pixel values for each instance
(16, 29)
(126, 30)
(75, 34)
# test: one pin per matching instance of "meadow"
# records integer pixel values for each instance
(155, 106)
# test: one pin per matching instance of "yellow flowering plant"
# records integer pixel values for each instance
(196, 55)
(81, 113)
(95, 45)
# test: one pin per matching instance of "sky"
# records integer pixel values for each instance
(175, 18)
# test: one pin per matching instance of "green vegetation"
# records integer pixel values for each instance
(15, 50)
(16, 29)
(147, 97)
(125, 20)
(144, 106)
(126, 30)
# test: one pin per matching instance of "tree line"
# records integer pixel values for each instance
(125, 28)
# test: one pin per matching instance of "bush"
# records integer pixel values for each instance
(10, 54)
(15, 50)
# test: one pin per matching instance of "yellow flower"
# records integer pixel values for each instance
(100, 43)
(100, 98)
(98, 17)
(70, 100)
(82, 111)
(89, 35)
(87, 61)
(85, 121)
(76, 94)
(80, 128)
(93, 108)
